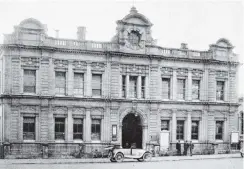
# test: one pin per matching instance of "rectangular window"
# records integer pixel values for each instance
(166, 88)
(133, 86)
(78, 129)
(96, 129)
(96, 84)
(59, 128)
(180, 130)
(29, 81)
(29, 128)
(181, 84)
(219, 130)
(60, 82)
(164, 125)
(220, 90)
(78, 83)
(123, 86)
(195, 89)
(143, 87)
(194, 130)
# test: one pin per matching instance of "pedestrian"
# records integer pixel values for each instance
(185, 147)
(178, 148)
(191, 146)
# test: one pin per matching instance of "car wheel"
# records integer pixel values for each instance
(242, 155)
(147, 156)
(140, 159)
(110, 154)
(112, 160)
(119, 157)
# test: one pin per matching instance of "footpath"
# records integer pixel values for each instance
(106, 160)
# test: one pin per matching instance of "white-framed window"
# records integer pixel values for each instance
(29, 81)
(195, 89)
(220, 86)
(166, 88)
(60, 82)
(29, 128)
(133, 86)
(59, 128)
(165, 125)
(78, 129)
(96, 129)
(96, 84)
(181, 89)
(194, 130)
(78, 83)
(180, 129)
(219, 132)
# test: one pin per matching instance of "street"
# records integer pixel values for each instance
(231, 163)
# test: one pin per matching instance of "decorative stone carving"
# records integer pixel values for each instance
(141, 69)
(97, 66)
(165, 113)
(97, 111)
(166, 71)
(181, 113)
(197, 73)
(196, 113)
(31, 109)
(60, 63)
(78, 110)
(60, 110)
(182, 72)
(30, 61)
(221, 74)
(80, 65)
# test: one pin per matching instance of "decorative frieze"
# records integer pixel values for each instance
(166, 71)
(197, 73)
(221, 74)
(165, 113)
(28, 109)
(139, 69)
(30, 62)
(60, 110)
(97, 66)
(78, 112)
(80, 65)
(60, 64)
(182, 72)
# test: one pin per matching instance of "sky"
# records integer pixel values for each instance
(198, 23)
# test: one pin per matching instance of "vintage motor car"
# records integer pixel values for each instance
(118, 154)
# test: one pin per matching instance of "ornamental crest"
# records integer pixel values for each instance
(60, 63)
(166, 71)
(97, 66)
(197, 73)
(221, 74)
(79, 65)
(134, 39)
(182, 72)
(28, 61)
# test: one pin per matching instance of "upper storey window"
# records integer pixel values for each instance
(96, 85)
(29, 81)
(181, 89)
(220, 90)
(60, 83)
(133, 86)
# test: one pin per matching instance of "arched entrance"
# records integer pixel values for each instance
(132, 130)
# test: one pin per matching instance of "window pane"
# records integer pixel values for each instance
(165, 125)
(29, 81)
(180, 130)
(60, 82)
(78, 83)
(181, 88)
(96, 129)
(219, 130)
(194, 130)
(60, 128)
(133, 86)
(195, 89)
(165, 88)
(143, 87)
(96, 85)
(28, 128)
(78, 129)
(220, 90)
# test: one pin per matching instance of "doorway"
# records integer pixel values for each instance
(131, 131)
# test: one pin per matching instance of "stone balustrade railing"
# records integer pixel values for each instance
(108, 46)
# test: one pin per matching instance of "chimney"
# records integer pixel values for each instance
(184, 46)
(81, 33)
(57, 33)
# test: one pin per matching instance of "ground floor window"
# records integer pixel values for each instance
(78, 129)
(59, 128)
(29, 128)
(96, 129)
(164, 125)
(180, 130)
(194, 130)
(219, 130)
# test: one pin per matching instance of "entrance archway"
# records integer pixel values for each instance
(131, 131)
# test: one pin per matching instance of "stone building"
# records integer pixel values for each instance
(127, 90)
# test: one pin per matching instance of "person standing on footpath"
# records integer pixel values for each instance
(185, 147)
(191, 146)
(178, 148)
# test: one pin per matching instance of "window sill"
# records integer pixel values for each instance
(96, 141)
(29, 141)
(78, 141)
(195, 141)
(30, 94)
(219, 141)
(59, 141)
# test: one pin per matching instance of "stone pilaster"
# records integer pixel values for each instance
(70, 124)
(174, 126)
(174, 88)
(189, 85)
(139, 87)
(88, 125)
(127, 81)
(88, 80)
(70, 78)
(189, 125)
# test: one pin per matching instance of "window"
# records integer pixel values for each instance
(164, 125)
(96, 84)
(180, 130)
(79, 83)
(220, 90)
(181, 89)
(195, 89)
(29, 81)
(59, 128)
(219, 130)
(194, 130)
(123, 86)
(242, 122)
(78, 129)
(28, 128)
(143, 87)
(133, 86)
(166, 88)
(60, 82)
(96, 129)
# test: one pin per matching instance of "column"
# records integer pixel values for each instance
(146, 87)
(127, 86)
(144, 143)
(174, 126)
(70, 124)
(189, 85)
(174, 88)
(51, 124)
(70, 78)
(120, 86)
(88, 125)
(138, 87)
(88, 80)
(188, 125)
(203, 131)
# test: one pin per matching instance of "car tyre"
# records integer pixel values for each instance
(119, 157)
(147, 156)
(140, 159)
(113, 160)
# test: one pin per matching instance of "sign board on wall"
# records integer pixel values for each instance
(234, 137)
(164, 140)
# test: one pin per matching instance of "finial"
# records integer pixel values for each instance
(133, 10)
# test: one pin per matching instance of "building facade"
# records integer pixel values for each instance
(127, 90)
